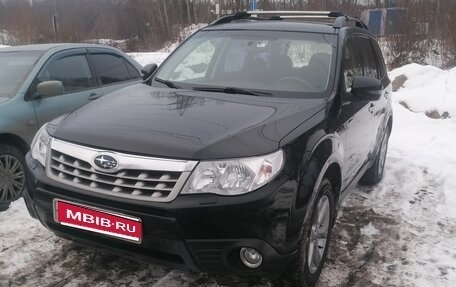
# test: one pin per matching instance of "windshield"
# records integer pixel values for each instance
(286, 64)
(14, 67)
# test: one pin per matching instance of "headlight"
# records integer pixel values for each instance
(40, 145)
(234, 177)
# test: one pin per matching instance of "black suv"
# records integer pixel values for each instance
(236, 155)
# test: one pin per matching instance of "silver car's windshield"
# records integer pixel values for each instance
(294, 64)
(14, 67)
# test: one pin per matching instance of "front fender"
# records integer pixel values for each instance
(321, 154)
(326, 151)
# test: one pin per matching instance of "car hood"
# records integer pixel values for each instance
(185, 124)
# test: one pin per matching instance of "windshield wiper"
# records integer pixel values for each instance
(232, 90)
(169, 84)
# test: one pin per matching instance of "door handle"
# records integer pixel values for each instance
(371, 108)
(93, 96)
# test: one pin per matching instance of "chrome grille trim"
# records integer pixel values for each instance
(136, 177)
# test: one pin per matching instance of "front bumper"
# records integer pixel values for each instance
(201, 233)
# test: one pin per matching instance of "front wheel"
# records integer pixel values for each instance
(306, 269)
(12, 174)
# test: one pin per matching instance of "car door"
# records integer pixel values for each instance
(72, 69)
(380, 106)
(377, 107)
(112, 70)
(356, 114)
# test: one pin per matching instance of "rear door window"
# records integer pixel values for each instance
(110, 68)
(369, 59)
(134, 74)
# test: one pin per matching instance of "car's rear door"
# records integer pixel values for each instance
(376, 108)
(112, 70)
(381, 106)
(71, 67)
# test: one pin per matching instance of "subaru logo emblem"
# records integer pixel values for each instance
(104, 161)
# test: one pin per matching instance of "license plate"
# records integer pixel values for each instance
(96, 220)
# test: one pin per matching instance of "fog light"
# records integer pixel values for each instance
(251, 257)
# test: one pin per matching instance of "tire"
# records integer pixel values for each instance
(4, 206)
(374, 174)
(301, 273)
(12, 173)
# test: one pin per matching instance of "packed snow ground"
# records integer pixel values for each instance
(401, 232)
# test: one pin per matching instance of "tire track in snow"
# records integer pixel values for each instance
(387, 235)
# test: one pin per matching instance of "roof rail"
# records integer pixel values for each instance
(340, 21)
(329, 14)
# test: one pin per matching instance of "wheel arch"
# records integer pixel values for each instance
(14, 140)
(324, 160)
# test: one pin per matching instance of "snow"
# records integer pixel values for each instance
(120, 44)
(160, 56)
(427, 89)
(149, 58)
(401, 232)
(412, 209)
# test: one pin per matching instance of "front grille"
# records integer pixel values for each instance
(68, 164)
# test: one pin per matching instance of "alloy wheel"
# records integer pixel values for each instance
(12, 178)
(319, 234)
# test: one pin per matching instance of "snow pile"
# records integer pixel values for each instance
(149, 58)
(3, 46)
(427, 89)
(430, 144)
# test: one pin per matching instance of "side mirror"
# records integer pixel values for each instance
(366, 88)
(49, 89)
(148, 70)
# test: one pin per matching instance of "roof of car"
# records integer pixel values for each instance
(274, 25)
(46, 47)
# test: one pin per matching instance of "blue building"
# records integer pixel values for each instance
(384, 22)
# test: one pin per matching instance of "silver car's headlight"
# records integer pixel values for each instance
(40, 145)
(234, 177)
